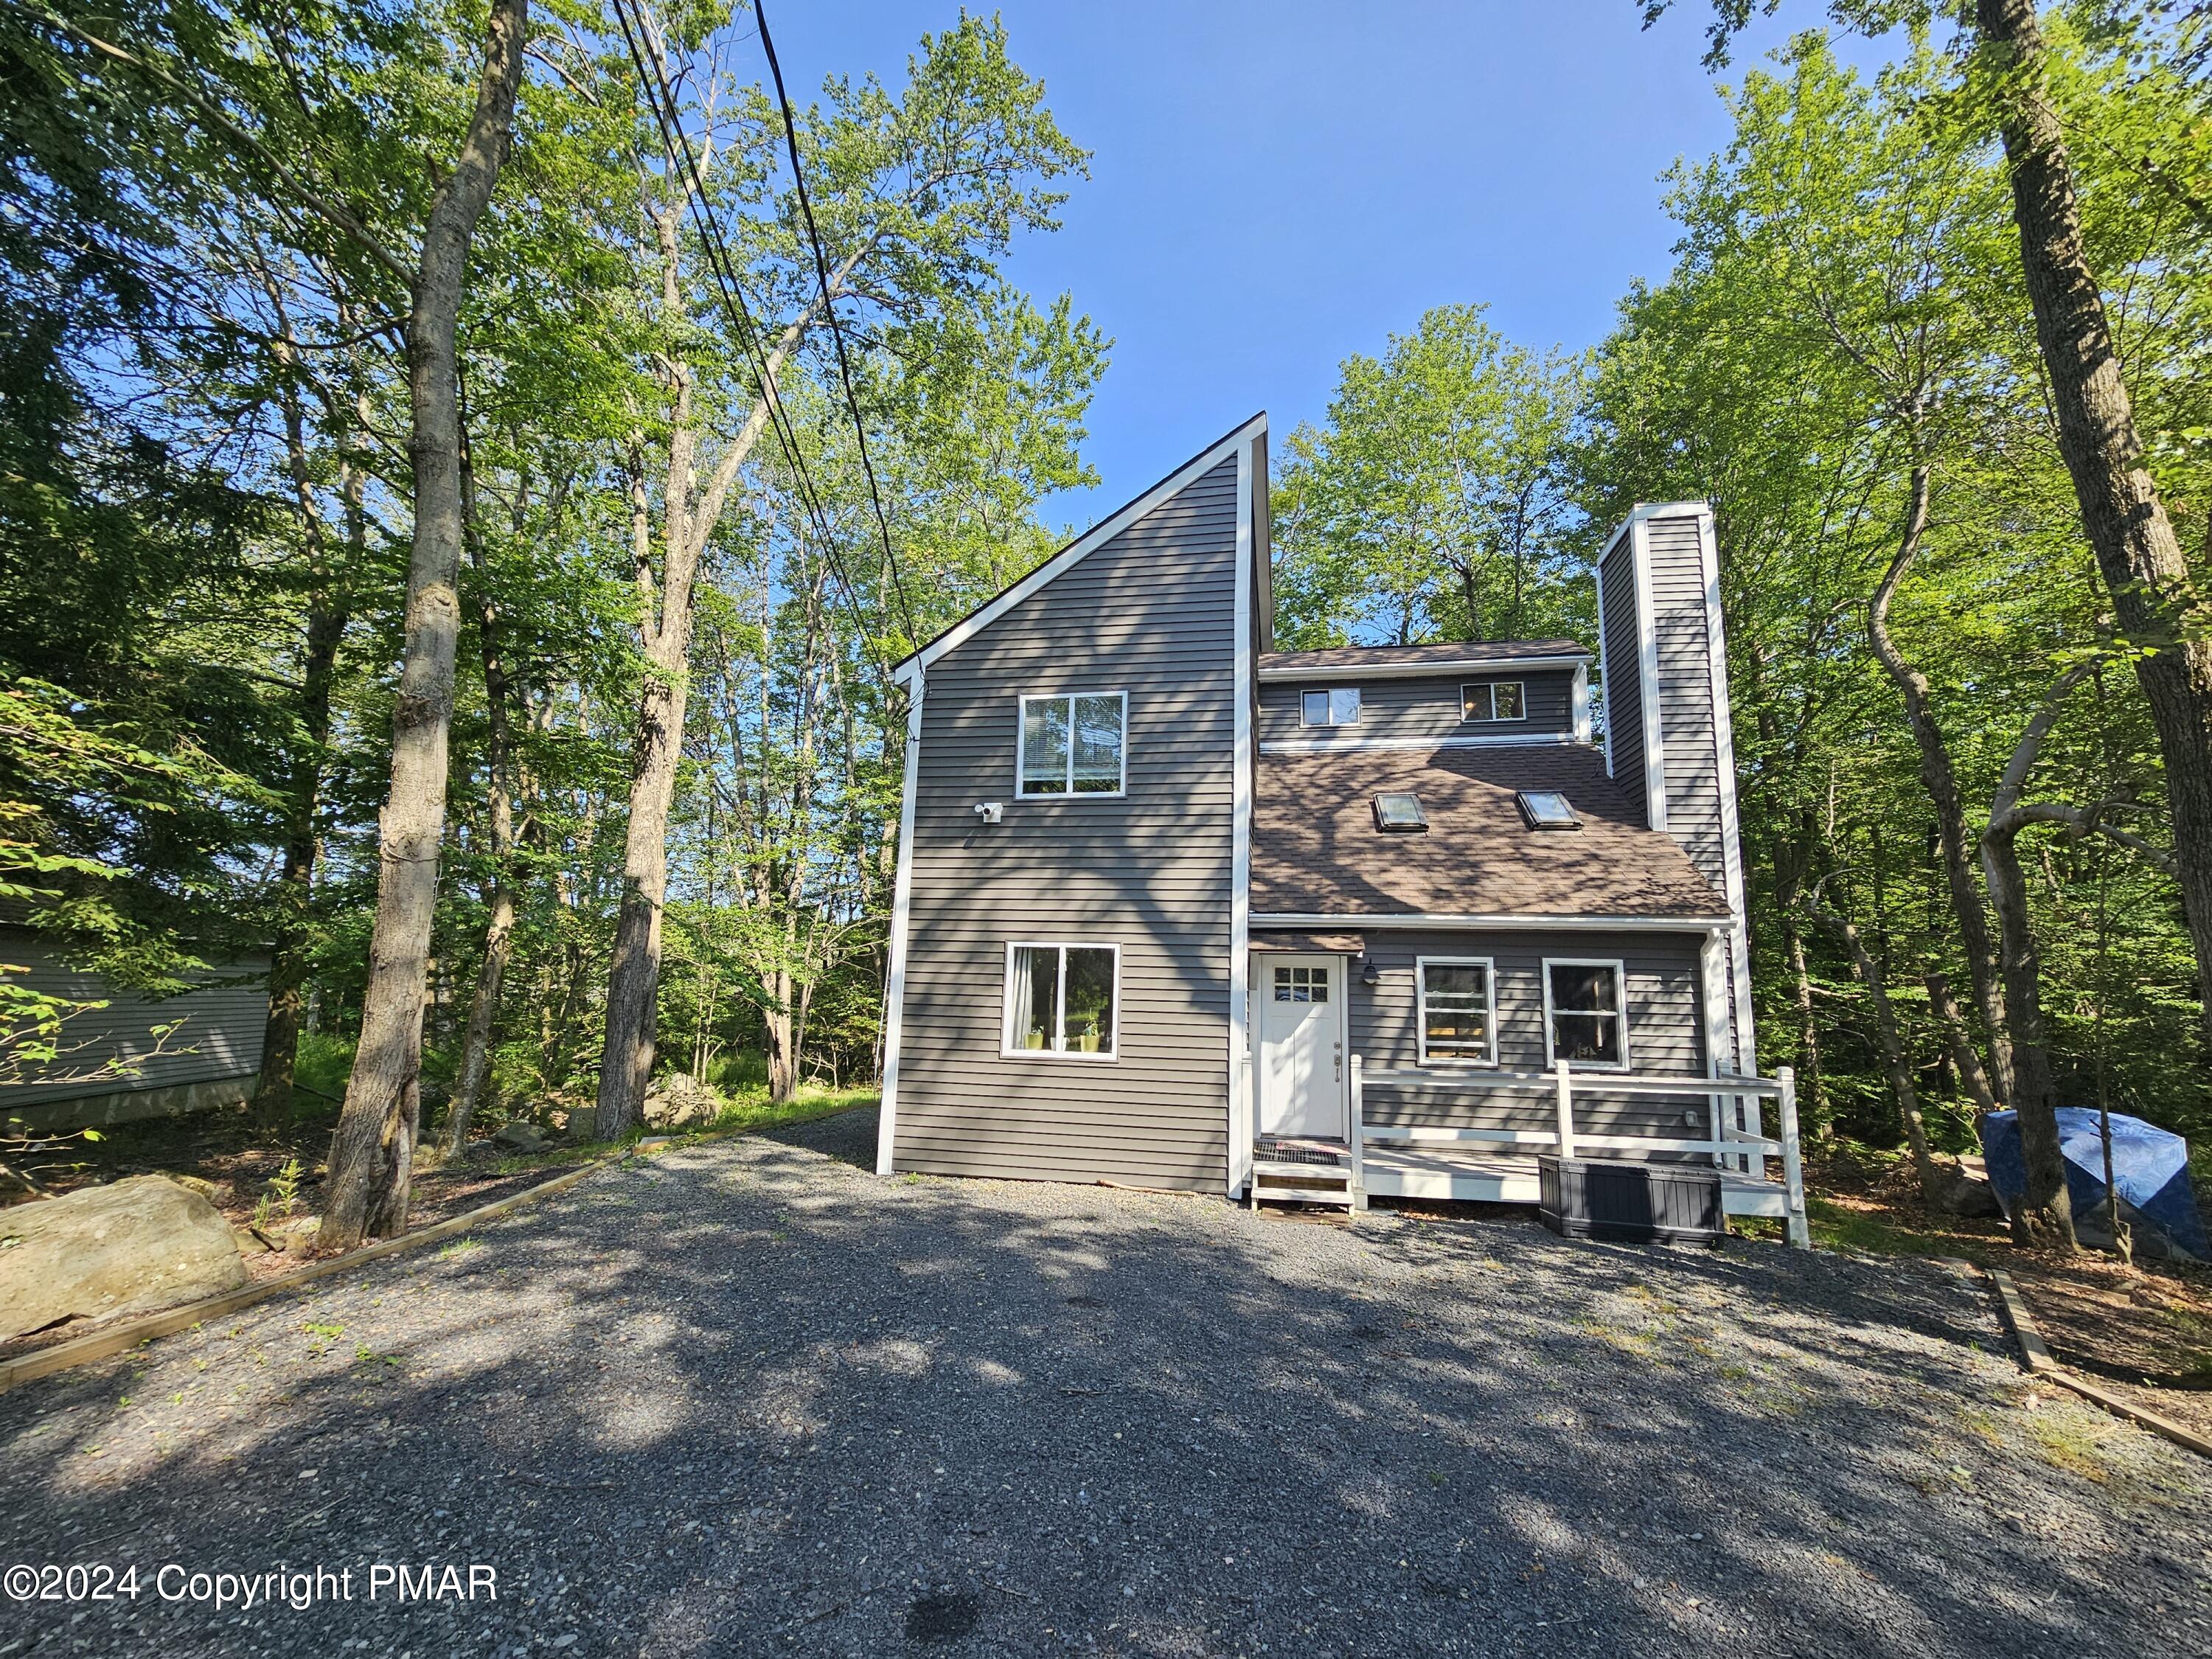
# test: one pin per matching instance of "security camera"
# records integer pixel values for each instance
(990, 810)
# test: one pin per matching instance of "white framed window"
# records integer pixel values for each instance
(1458, 1010)
(1074, 745)
(1494, 700)
(1063, 1000)
(1586, 1013)
(1338, 706)
(1302, 984)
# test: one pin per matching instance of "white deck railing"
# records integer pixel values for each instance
(1730, 1148)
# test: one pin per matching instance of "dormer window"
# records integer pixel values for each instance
(1548, 809)
(1494, 700)
(1400, 813)
(1338, 706)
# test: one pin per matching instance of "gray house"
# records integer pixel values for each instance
(1176, 910)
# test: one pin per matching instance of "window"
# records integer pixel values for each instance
(1336, 706)
(1458, 1018)
(1072, 745)
(1062, 999)
(1583, 1009)
(1400, 812)
(1302, 985)
(1548, 809)
(1493, 700)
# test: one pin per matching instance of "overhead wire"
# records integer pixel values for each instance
(660, 98)
(829, 305)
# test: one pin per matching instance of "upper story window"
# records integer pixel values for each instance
(1494, 700)
(1586, 1017)
(1074, 746)
(1339, 706)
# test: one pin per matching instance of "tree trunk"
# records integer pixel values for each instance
(372, 1151)
(2047, 1209)
(1942, 780)
(1893, 1059)
(2154, 598)
(499, 931)
(782, 1026)
(1969, 1063)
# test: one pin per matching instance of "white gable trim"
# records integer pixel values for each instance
(902, 911)
(1251, 484)
(1709, 558)
(1238, 443)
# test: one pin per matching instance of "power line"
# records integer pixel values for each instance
(829, 305)
(679, 147)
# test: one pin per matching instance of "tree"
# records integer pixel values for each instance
(1434, 502)
(929, 189)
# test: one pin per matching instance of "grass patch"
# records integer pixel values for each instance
(751, 1111)
(2065, 1447)
(1870, 1232)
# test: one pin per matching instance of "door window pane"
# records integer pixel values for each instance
(1044, 746)
(1455, 1010)
(1302, 985)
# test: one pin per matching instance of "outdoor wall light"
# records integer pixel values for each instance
(1368, 973)
(990, 810)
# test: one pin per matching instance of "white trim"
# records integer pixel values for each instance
(1022, 702)
(1006, 1050)
(1084, 545)
(1579, 701)
(1251, 477)
(1647, 646)
(1709, 560)
(1273, 674)
(1620, 1014)
(1493, 717)
(1605, 667)
(1421, 966)
(1324, 920)
(901, 913)
(1409, 745)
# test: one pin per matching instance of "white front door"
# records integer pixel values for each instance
(1302, 1035)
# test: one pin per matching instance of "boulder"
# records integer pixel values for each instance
(680, 1100)
(102, 1252)
(520, 1137)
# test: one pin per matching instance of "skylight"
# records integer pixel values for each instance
(1548, 809)
(1400, 812)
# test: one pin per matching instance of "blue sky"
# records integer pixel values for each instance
(1275, 186)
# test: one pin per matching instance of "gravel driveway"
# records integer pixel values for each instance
(747, 1398)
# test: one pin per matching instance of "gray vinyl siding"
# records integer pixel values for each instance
(1152, 612)
(1424, 708)
(1622, 660)
(1684, 634)
(219, 1032)
(1666, 1028)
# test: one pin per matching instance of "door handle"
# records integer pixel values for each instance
(1339, 1047)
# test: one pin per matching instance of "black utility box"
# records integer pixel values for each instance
(1614, 1198)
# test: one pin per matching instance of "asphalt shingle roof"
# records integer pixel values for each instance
(1315, 850)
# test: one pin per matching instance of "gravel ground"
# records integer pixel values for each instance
(747, 1398)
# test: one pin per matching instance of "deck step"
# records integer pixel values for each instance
(1302, 1180)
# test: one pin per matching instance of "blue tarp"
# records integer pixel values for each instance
(2149, 1166)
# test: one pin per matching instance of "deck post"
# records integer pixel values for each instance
(1566, 1112)
(1793, 1166)
(1359, 1138)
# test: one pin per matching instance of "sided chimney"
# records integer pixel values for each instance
(1667, 735)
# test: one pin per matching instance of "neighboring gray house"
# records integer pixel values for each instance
(114, 1067)
(1175, 909)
